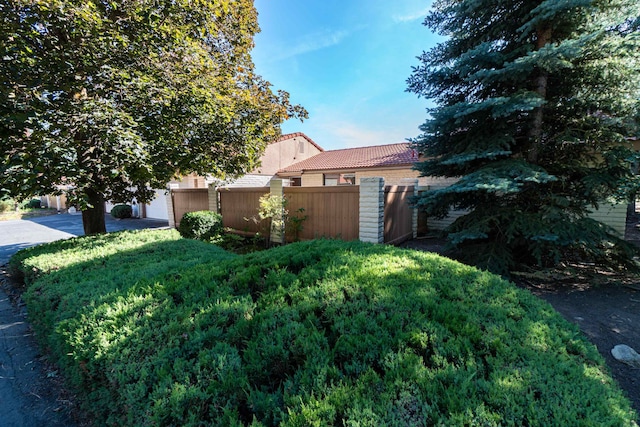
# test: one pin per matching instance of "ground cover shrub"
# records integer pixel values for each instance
(121, 211)
(7, 205)
(201, 225)
(313, 333)
(32, 204)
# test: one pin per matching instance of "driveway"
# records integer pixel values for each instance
(18, 234)
(30, 390)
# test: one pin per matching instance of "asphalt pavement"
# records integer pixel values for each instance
(18, 234)
(30, 395)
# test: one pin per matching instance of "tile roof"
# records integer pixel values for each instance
(296, 134)
(356, 158)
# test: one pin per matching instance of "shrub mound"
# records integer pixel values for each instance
(201, 225)
(121, 211)
(177, 332)
(6, 205)
(32, 204)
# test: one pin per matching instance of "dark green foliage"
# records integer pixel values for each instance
(121, 211)
(117, 97)
(32, 204)
(201, 225)
(157, 331)
(536, 101)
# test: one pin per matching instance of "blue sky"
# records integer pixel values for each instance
(347, 63)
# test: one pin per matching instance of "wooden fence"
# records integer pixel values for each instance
(236, 204)
(331, 211)
(188, 200)
(398, 215)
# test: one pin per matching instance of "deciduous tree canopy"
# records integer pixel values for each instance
(116, 97)
(535, 107)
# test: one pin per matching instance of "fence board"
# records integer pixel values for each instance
(189, 200)
(398, 215)
(236, 204)
(332, 212)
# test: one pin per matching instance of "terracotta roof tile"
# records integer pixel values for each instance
(296, 134)
(357, 158)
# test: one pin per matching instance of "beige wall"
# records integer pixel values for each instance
(284, 153)
(613, 215)
(391, 177)
(190, 181)
(312, 180)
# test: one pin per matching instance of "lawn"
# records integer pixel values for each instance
(153, 329)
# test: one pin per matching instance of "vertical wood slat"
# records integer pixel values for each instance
(189, 200)
(332, 212)
(398, 215)
(236, 204)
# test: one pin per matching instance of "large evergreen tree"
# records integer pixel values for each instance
(535, 109)
(117, 97)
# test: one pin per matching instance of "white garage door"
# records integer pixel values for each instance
(157, 209)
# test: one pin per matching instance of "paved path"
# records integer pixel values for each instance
(28, 393)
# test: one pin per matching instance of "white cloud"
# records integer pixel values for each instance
(311, 42)
(414, 16)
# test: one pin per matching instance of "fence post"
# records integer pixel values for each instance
(372, 210)
(170, 212)
(414, 216)
(214, 203)
(277, 222)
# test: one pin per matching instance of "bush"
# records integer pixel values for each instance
(201, 225)
(154, 330)
(121, 211)
(32, 204)
(7, 205)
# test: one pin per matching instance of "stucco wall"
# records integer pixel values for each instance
(391, 177)
(312, 180)
(284, 153)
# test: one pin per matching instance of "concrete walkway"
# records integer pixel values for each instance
(29, 392)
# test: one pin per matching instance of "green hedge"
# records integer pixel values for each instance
(156, 330)
(121, 211)
(32, 204)
(201, 225)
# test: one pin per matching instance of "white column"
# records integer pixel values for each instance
(169, 198)
(372, 210)
(214, 204)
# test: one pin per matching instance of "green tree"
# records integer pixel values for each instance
(115, 98)
(534, 109)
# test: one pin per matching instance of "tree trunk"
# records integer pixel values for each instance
(540, 83)
(93, 217)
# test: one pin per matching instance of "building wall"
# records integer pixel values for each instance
(614, 215)
(312, 180)
(284, 153)
(391, 177)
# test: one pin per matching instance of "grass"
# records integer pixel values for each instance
(25, 213)
(152, 329)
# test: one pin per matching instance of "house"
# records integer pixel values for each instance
(393, 162)
(281, 153)
(284, 151)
